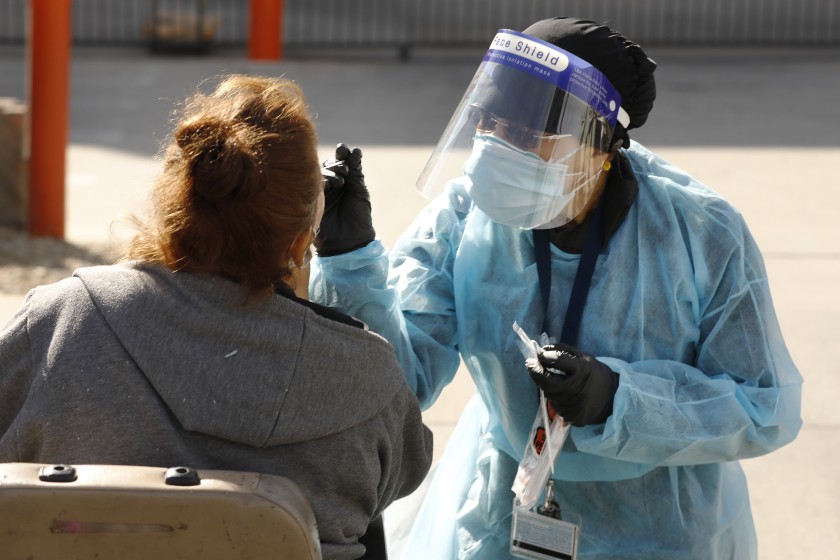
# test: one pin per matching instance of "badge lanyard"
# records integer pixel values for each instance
(543, 534)
(583, 278)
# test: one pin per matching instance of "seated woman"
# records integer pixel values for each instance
(196, 351)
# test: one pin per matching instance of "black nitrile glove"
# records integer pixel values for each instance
(584, 395)
(334, 171)
(347, 222)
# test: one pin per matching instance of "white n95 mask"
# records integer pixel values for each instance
(518, 188)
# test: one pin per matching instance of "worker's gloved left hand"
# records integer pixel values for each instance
(578, 387)
(347, 223)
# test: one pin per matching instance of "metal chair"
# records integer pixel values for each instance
(131, 512)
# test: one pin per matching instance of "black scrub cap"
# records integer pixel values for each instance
(622, 61)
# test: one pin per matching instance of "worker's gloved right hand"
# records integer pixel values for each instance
(347, 224)
(577, 386)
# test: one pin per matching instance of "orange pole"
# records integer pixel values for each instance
(266, 30)
(49, 73)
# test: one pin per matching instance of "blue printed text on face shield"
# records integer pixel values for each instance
(537, 69)
(531, 49)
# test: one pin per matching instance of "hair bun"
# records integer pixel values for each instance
(196, 134)
(221, 158)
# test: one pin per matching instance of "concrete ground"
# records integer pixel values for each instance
(759, 126)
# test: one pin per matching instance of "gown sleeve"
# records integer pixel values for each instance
(741, 395)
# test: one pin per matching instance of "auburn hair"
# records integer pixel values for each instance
(240, 182)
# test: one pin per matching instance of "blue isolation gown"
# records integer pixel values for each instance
(679, 307)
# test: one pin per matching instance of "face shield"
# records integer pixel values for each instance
(530, 136)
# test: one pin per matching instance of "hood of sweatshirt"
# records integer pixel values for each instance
(265, 373)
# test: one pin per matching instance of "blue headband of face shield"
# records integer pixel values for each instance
(560, 68)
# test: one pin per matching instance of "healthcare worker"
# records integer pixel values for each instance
(669, 361)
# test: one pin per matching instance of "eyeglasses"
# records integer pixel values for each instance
(519, 135)
(594, 132)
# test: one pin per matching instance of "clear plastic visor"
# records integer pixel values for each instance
(527, 113)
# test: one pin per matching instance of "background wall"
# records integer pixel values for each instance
(404, 24)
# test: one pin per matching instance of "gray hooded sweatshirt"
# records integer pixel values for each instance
(135, 364)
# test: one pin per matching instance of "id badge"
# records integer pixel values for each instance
(541, 537)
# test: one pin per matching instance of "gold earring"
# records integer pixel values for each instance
(607, 166)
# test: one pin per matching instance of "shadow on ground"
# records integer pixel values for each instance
(26, 261)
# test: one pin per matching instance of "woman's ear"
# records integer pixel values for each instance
(299, 256)
(299, 247)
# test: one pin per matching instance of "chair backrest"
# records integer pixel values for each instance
(128, 512)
